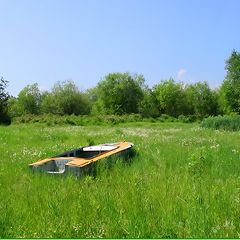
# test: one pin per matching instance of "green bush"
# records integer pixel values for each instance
(84, 120)
(166, 118)
(228, 123)
(189, 118)
(183, 118)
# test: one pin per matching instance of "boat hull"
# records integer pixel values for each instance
(84, 160)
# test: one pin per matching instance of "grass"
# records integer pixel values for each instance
(183, 183)
(228, 123)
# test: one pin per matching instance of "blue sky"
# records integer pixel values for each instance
(45, 41)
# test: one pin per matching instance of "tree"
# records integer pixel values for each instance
(200, 99)
(223, 106)
(230, 89)
(119, 93)
(14, 108)
(96, 103)
(149, 105)
(29, 99)
(170, 97)
(65, 98)
(4, 117)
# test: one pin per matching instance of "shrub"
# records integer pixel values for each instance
(183, 118)
(166, 118)
(189, 118)
(83, 120)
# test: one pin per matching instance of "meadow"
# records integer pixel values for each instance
(183, 182)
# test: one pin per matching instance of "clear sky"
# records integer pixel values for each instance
(45, 41)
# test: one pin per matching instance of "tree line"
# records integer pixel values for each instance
(123, 93)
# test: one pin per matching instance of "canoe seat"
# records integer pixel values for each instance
(78, 162)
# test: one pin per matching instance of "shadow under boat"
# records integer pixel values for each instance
(83, 160)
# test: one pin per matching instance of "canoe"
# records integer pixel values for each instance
(81, 160)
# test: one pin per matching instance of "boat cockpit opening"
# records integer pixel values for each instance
(88, 152)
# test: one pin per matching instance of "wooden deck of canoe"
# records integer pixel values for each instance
(82, 159)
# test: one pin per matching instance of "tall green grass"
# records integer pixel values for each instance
(228, 123)
(182, 183)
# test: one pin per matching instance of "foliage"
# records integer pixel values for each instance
(229, 123)
(29, 99)
(170, 97)
(14, 108)
(80, 120)
(200, 99)
(119, 93)
(148, 107)
(4, 117)
(27, 102)
(124, 94)
(84, 120)
(231, 85)
(188, 118)
(65, 98)
(223, 106)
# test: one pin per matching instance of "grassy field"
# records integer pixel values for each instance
(184, 182)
